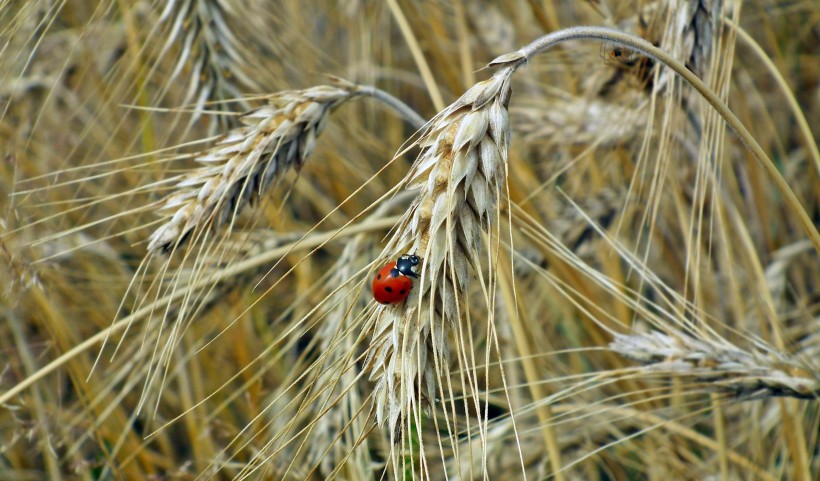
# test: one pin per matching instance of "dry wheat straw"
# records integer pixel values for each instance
(245, 162)
(460, 173)
(723, 366)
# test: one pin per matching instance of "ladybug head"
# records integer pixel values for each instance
(408, 264)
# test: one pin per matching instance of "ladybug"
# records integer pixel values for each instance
(393, 282)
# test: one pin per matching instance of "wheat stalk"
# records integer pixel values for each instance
(520, 57)
(723, 366)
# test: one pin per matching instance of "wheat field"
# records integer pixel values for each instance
(615, 205)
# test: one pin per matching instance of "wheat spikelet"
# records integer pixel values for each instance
(726, 367)
(243, 164)
(460, 172)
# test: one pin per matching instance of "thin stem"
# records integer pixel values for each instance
(418, 55)
(400, 107)
(518, 319)
(799, 117)
(632, 42)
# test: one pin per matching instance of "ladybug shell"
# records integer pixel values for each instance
(391, 286)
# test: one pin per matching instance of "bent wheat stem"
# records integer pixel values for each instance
(522, 56)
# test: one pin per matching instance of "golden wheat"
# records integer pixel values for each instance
(613, 285)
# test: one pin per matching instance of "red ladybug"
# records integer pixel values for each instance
(393, 282)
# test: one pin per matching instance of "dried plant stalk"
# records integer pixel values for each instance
(722, 365)
(460, 173)
(520, 57)
(243, 164)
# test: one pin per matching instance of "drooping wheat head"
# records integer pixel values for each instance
(721, 366)
(460, 175)
(244, 163)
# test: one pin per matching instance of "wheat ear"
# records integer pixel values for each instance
(721, 365)
(216, 57)
(459, 173)
(243, 163)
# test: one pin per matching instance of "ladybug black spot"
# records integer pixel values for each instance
(388, 289)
